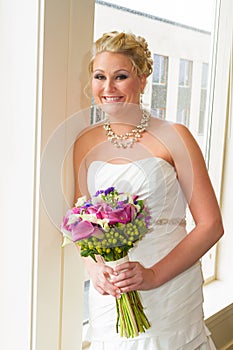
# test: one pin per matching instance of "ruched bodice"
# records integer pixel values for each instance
(175, 308)
(152, 179)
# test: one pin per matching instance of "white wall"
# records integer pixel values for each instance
(18, 90)
(44, 49)
(220, 155)
(225, 250)
(68, 37)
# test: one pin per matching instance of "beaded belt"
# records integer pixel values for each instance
(175, 221)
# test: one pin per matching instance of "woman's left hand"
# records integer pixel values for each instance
(133, 276)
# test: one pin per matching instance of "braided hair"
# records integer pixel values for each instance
(134, 47)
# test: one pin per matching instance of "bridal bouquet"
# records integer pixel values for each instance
(108, 225)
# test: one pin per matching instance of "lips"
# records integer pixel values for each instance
(112, 99)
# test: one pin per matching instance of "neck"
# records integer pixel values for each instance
(127, 137)
(124, 113)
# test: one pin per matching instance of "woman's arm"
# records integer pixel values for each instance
(206, 214)
(204, 209)
(98, 271)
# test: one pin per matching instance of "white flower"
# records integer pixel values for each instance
(123, 197)
(97, 200)
(93, 219)
(73, 218)
(66, 240)
(80, 202)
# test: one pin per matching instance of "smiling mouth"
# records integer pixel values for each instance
(112, 99)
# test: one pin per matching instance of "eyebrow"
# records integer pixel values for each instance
(117, 71)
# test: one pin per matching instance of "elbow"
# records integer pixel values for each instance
(218, 229)
(213, 228)
(221, 230)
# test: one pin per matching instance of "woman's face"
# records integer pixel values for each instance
(114, 81)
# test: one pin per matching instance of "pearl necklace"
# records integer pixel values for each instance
(130, 138)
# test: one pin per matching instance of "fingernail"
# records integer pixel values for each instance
(118, 294)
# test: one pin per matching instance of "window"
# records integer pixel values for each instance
(96, 114)
(86, 309)
(159, 86)
(159, 112)
(185, 74)
(204, 83)
(182, 46)
(184, 92)
(160, 69)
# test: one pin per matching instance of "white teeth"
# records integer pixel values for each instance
(112, 99)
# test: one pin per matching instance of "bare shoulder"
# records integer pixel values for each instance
(174, 135)
(189, 141)
(89, 137)
(183, 131)
(164, 125)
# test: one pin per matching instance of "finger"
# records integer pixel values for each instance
(122, 267)
(116, 292)
(125, 274)
(100, 290)
(128, 285)
(129, 288)
(109, 270)
(108, 287)
(127, 282)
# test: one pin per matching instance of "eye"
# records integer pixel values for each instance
(99, 76)
(121, 77)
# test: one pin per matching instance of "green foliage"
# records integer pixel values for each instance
(115, 243)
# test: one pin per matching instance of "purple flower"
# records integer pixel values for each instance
(109, 190)
(105, 192)
(86, 205)
(77, 210)
(99, 192)
(94, 210)
(111, 207)
(122, 215)
(81, 230)
(64, 224)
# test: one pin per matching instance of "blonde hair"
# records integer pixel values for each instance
(134, 47)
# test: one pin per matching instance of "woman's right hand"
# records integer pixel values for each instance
(100, 275)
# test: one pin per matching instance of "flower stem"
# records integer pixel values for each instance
(131, 319)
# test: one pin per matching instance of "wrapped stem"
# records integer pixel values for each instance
(131, 319)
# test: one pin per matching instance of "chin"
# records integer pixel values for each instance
(119, 109)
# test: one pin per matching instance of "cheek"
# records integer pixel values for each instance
(93, 86)
(96, 86)
(96, 91)
(134, 89)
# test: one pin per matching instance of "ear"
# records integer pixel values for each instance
(143, 82)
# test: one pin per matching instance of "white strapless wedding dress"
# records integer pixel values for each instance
(174, 309)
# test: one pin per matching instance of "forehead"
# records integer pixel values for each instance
(111, 60)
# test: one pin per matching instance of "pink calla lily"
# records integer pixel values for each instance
(81, 230)
(122, 215)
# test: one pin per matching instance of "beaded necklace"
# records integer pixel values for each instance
(129, 138)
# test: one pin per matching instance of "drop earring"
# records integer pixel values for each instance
(141, 100)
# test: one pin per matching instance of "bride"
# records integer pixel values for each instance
(161, 162)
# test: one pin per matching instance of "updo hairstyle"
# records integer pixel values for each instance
(134, 47)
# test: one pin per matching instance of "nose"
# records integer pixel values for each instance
(109, 85)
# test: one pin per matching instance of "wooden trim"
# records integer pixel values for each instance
(221, 325)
